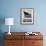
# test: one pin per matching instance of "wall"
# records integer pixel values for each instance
(11, 8)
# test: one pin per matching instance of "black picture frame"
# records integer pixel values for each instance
(27, 15)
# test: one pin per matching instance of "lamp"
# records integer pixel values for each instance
(9, 21)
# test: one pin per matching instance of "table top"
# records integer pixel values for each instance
(22, 35)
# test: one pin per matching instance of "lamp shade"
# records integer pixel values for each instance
(9, 21)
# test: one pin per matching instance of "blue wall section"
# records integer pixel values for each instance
(11, 8)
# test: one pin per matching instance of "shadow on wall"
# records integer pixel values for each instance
(1, 39)
(2, 21)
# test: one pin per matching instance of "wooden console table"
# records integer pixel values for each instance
(20, 39)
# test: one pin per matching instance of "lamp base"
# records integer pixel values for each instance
(9, 33)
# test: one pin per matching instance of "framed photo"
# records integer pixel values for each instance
(27, 15)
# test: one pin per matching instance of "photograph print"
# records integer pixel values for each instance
(27, 15)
